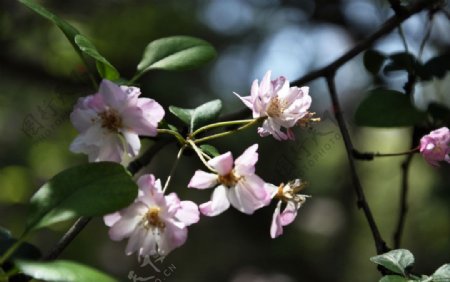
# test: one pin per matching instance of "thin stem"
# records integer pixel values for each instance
(222, 134)
(200, 155)
(403, 37)
(403, 207)
(174, 167)
(173, 133)
(73, 231)
(380, 245)
(370, 156)
(12, 249)
(426, 36)
(220, 124)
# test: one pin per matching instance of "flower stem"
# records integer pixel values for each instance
(175, 134)
(200, 154)
(172, 171)
(222, 134)
(220, 124)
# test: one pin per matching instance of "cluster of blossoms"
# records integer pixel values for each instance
(435, 146)
(111, 121)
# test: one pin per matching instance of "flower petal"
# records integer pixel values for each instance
(131, 217)
(289, 213)
(202, 180)
(112, 94)
(172, 237)
(245, 163)
(218, 204)
(276, 228)
(188, 213)
(111, 219)
(223, 163)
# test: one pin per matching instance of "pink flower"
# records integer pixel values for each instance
(238, 185)
(434, 147)
(110, 121)
(283, 106)
(287, 194)
(154, 223)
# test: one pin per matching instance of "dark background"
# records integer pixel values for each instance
(330, 239)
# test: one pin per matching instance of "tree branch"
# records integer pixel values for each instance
(386, 28)
(403, 206)
(68, 237)
(380, 245)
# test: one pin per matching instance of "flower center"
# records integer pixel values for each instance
(274, 109)
(153, 218)
(111, 120)
(289, 192)
(229, 180)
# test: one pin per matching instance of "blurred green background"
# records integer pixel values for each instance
(41, 77)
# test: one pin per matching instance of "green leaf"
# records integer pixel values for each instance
(373, 60)
(393, 278)
(436, 67)
(205, 113)
(439, 112)
(25, 250)
(176, 53)
(104, 68)
(185, 115)
(92, 189)
(442, 274)
(69, 31)
(4, 233)
(396, 260)
(62, 271)
(401, 61)
(387, 108)
(210, 150)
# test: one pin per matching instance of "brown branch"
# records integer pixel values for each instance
(368, 156)
(386, 28)
(68, 237)
(403, 206)
(380, 245)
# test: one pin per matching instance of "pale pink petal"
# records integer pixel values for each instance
(247, 100)
(202, 180)
(82, 119)
(243, 198)
(135, 242)
(131, 216)
(112, 94)
(245, 163)
(188, 213)
(266, 83)
(148, 243)
(133, 141)
(289, 213)
(218, 204)
(111, 219)
(111, 149)
(173, 237)
(276, 228)
(223, 163)
(144, 117)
